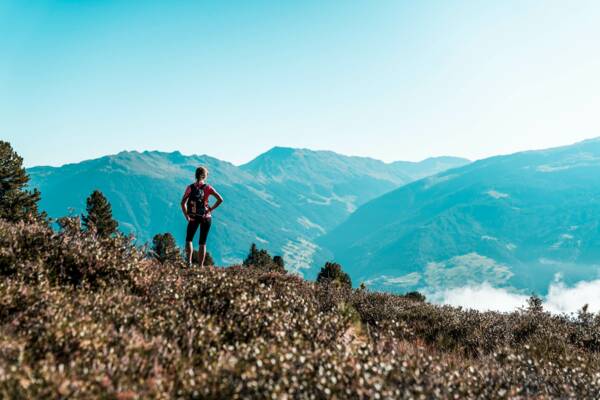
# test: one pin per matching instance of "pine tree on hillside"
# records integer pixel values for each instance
(261, 258)
(277, 266)
(278, 261)
(16, 203)
(415, 296)
(99, 215)
(535, 304)
(252, 255)
(164, 248)
(257, 257)
(332, 272)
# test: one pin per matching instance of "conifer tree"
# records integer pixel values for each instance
(535, 304)
(164, 248)
(252, 255)
(99, 215)
(415, 296)
(258, 258)
(16, 203)
(278, 261)
(332, 272)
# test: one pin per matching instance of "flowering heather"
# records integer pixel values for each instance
(87, 317)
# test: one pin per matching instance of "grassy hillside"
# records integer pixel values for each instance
(515, 220)
(82, 317)
(282, 200)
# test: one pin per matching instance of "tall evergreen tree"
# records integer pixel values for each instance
(16, 203)
(257, 257)
(332, 272)
(260, 258)
(535, 304)
(164, 248)
(99, 215)
(278, 261)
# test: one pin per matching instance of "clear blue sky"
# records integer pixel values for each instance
(387, 79)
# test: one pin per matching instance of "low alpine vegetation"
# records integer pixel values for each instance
(90, 316)
(84, 313)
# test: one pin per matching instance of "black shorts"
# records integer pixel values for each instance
(204, 224)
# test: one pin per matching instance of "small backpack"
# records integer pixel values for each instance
(196, 206)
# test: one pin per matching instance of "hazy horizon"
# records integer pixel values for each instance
(27, 165)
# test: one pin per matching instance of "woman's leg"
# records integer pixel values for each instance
(201, 254)
(204, 228)
(189, 252)
(189, 237)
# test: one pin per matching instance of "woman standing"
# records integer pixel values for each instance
(197, 212)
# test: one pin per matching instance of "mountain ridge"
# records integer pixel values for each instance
(283, 215)
(533, 212)
(274, 148)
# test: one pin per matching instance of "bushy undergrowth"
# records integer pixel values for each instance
(82, 317)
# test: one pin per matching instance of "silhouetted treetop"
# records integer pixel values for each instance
(332, 272)
(99, 215)
(16, 203)
(164, 248)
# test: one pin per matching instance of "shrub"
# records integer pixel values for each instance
(128, 329)
(34, 252)
(415, 296)
(333, 273)
(164, 248)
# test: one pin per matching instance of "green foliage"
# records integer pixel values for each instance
(99, 215)
(260, 258)
(333, 273)
(126, 329)
(35, 252)
(257, 257)
(164, 248)
(535, 304)
(415, 296)
(16, 203)
(278, 260)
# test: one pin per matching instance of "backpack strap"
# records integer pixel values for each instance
(190, 189)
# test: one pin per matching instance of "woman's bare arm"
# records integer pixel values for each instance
(184, 204)
(218, 202)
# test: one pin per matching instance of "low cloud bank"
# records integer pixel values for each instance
(484, 297)
(570, 299)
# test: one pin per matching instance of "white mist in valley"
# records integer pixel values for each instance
(561, 298)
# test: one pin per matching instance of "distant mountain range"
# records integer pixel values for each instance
(282, 200)
(521, 220)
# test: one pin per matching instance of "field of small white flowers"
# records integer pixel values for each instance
(84, 317)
